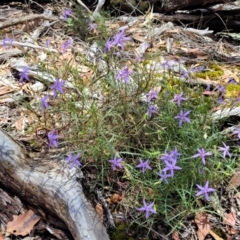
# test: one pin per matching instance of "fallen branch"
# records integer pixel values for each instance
(28, 18)
(49, 184)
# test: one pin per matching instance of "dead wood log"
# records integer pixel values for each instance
(49, 184)
(173, 5)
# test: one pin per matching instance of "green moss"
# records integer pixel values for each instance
(120, 232)
(214, 71)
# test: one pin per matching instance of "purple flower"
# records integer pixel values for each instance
(221, 89)
(237, 131)
(108, 45)
(171, 166)
(183, 117)
(92, 26)
(220, 99)
(44, 102)
(175, 154)
(152, 109)
(73, 159)
(57, 87)
(124, 74)
(178, 98)
(143, 165)
(24, 74)
(47, 43)
(169, 64)
(202, 154)
(231, 81)
(163, 175)
(66, 44)
(116, 163)
(153, 93)
(52, 138)
(184, 73)
(168, 157)
(117, 39)
(7, 42)
(147, 209)
(225, 150)
(204, 190)
(66, 13)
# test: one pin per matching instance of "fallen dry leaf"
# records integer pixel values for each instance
(201, 219)
(22, 224)
(175, 236)
(99, 211)
(235, 181)
(230, 218)
(116, 197)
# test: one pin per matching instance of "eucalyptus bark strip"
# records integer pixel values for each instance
(51, 185)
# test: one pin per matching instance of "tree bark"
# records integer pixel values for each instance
(49, 184)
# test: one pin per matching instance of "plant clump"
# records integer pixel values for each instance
(153, 134)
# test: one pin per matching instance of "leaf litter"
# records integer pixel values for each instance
(146, 41)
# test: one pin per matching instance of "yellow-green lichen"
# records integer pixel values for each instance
(213, 71)
(232, 91)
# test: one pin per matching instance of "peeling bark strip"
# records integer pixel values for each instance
(52, 186)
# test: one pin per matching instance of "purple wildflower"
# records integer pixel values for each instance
(124, 74)
(47, 43)
(147, 209)
(143, 165)
(231, 81)
(237, 131)
(175, 154)
(66, 13)
(184, 73)
(225, 150)
(57, 87)
(24, 74)
(66, 44)
(117, 39)
(52, 138)
(73, 159)
(204, 190)
(152, 109)
(202, 154)
(221, 89)
(171, 166)
(178, 98)
(108, 45)
(44, 102)
(92, 26)
(116, 163)
(220, 99)
(163, 175)
(169, 64)
(183, 117)
(168, 157)
(153, 93)
(7, 42)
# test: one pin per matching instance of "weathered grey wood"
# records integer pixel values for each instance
(51, 185)
(173, 5)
